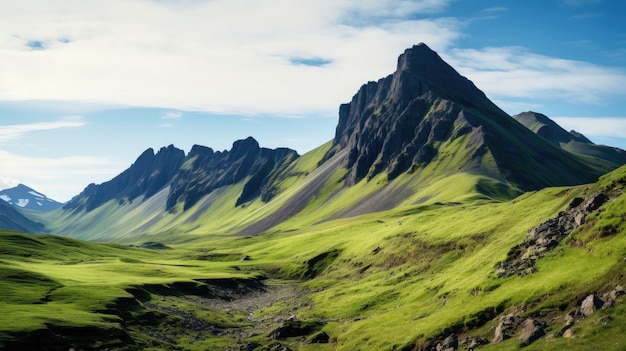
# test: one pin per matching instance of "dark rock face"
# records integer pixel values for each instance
(532, 329)
(398, 124)
(206, 170)
(590, 305)
(393, 124)
(189, 177)
(506, 327)
(149, 174)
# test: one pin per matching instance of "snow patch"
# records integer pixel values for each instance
(5, 197)
(22, 202)
(34, 193)
(39, 203)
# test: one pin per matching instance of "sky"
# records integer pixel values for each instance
(86, 86)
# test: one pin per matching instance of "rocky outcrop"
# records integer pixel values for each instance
(532, 329)
(506, 327)
(205, 170)
(547, 235)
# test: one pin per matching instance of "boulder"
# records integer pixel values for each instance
(506, 327)
(590, 305)
(448, 344)
(532, 329)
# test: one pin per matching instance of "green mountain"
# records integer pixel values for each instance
(431, 221)
(571, 141)
(11, 218)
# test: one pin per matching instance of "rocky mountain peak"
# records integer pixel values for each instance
(399, 124)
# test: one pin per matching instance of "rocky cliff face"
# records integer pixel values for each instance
(399, 123)
(205, 170)
(189, 177)
(146, 176)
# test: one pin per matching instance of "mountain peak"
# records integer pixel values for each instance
(25, 197)
(401, 122)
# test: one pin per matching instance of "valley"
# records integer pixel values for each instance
(432, 220)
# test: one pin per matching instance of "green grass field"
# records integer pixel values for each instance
(388, 280)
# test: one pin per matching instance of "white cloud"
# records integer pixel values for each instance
(219, 56)
(6, 182)
(603, 127)
(59, 178)
(514, 72)
(12, 132)
(172, 115)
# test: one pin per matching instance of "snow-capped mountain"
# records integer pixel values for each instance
(24, 197)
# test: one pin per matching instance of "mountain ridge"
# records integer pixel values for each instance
(422, 134)
(571, 141)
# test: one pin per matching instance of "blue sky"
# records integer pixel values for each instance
(86, 86)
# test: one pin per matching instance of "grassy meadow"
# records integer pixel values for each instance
(389, 280)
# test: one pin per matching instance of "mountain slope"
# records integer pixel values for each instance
(421, 135)
(145, 177)
(399, 123)
(11, 218)
(27, 198)
(570, 141)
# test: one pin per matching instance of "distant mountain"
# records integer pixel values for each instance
(188, 177)
(11, 218)
(571, 141)
(145, 177)
(27, 198)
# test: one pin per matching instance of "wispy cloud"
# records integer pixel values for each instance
(172, 115)
(12, 132)
(219, 56)
(48, 172)
(607, 127)
(514, 72)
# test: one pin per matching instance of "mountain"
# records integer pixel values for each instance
(571, 141)
(412, 229)
(26, 198)
(145, 177)
(11, 218)
(404, 121)
(422, 135)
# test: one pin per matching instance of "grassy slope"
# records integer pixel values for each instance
(386, 279)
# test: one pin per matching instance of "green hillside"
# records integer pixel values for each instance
(395, 279)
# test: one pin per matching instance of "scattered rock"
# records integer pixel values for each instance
(572, 316)
(590, 304)
(472, 342)
(318, 338)
(245, 258)
(610, 297)
(532, 329)
(604, 320)
(295, 328)
(547, 236)
(506, 327)
(448, 344)
(569, 333)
